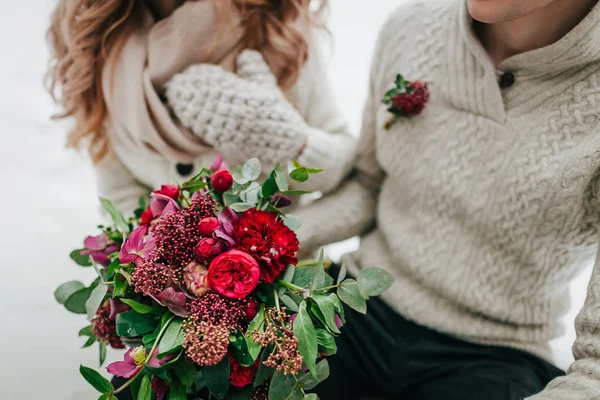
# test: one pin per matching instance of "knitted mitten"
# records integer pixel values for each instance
(242, 116)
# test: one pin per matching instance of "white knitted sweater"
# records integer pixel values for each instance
(487, 204)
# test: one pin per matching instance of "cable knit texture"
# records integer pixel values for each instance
(486, 205)
(226, 109)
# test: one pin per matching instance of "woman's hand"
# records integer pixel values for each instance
(242, 116)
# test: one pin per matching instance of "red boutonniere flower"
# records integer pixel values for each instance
(406, 100)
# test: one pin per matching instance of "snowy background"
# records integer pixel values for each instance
(48, 202)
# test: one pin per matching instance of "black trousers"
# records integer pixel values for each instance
(382, 355)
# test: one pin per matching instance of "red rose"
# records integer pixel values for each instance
(221, 181)
(207, 226)
(208, 248)
(274, 245)
(251, 309)
(233, 274)
(147, 217)
(241, 376)
(171, 191)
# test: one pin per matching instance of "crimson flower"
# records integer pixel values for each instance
(171, 191)
(147, 217)
(241, 376)
(99, 248)
(133, 362)
(266, 238)
(221, 181)
(163, 205)
(406, 100)
(137, 247)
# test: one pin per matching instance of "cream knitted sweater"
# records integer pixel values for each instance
(486, 205)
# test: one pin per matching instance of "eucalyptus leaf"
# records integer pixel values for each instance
(263, 373)
(289, 303)
(241, 207)
(319, 278)
(288, 275)
(64, 291)
(95, 300)
(306, 334)
(311, 396)
(293, 222)
(80, 259)
(374, 281)
(257, 324)
(76, 301)
(299, 174)
(238, 177)
(145, 391)
(94, 378)
(252, 169)
(138, 307)
(280, 178)
(326, 342)
(304, 276)
(115, 214)
(217, 378)
(343, 272)
(327, 305)
(349, 294)
(281, 386)
(252, 194)
(230, 198)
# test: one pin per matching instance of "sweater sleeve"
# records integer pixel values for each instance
(350, 210)
(116, 183)
(582, 381)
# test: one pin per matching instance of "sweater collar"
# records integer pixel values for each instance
(579, 47)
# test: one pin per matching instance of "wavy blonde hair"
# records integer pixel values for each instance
(84, 32)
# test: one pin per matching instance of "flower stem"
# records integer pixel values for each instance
(276, 299)
(335, 286)
(291, 286)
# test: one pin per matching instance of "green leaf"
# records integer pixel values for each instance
(293, 222)
(199, 382)
(319, 278)
(241, 207)
(313, 171)
(296, 192)
(306, 334)
(230, 198)
(299, 175)
(342, 274)
(64, 291)
(317, 316)
(269, 188)
(80, 259)
(252, 169)
(172, 339)
(99, 383)
(95, 300)
(263, 373)
(239, 349)
(217, 378)
(194, 186)
(91, 340)
(349, 294)
(87, 331)
(281, 386)
(311, 396)
(327, 306)
(132, 323)
(102, 352)
(255, 325)
(145, 392)
(177, 391)
(374, 281)
(120, 286)
(161, 371)
(107, 396)
(326, 342)
(115, 214)
(309, 382)
(238, 177)
(288, 275)
(138, 307)
(296, 393)
(280, 178)
(76, 301)
(186, 372)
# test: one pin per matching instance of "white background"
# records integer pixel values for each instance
(47, 202)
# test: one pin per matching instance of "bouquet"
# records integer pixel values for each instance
(206, 289)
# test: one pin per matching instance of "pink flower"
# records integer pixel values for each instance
(173, 300)
(234, 274)
(99, 248)
(137, 247)
(195, 278)
(133, 362)
(163, 205)
(171, 191)
(227, 222)
(219, 164)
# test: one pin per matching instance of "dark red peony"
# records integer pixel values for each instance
(171, 191)
(233, 274)
(221, 181)
(265, 237)
(241, 376)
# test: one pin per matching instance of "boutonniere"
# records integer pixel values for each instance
(406, 100)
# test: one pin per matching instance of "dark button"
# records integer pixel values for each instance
(507, 80)
(184, 169)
